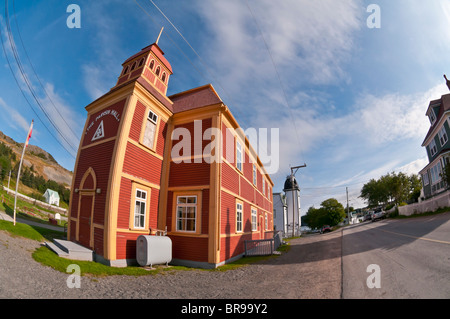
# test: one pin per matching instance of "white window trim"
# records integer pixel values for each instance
(239, 159)
(433, 147)
(186, 205)
(442, 134)
(426, 179)
(254, 175)
(142, 201)
(432, 116)
(239, 217)
(436, 174)
(254, 219)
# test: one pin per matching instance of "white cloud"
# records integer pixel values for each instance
(15, 117)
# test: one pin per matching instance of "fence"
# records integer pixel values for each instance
(429, 205)
(263, 247)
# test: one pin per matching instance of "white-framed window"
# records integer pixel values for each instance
(266, 222)
(239, 215)
(150, 129)
(432, 116)
(239, 156)
(425, 179)
(186, 213)
(254, 174)
(264, 186)
(436, 171)
(433, 148)
(254, 219)
(443, 138)
(140, 203)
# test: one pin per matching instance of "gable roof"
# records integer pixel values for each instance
(195, 98)
(444, 107)
(52, 193)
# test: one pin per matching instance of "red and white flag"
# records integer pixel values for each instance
(29, 133)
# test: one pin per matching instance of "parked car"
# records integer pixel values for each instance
(325, 229)
(378, 214)
(368, 216)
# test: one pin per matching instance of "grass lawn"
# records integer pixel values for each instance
(47, 257)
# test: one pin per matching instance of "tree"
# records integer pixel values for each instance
(330, 213)
(392, 188)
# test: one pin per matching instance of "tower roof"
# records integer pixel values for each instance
(288, 184)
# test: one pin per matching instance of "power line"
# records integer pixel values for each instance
(19, 64)
(276, 71)
(35, 73)
(191, 47)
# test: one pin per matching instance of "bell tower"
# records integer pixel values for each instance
(151, 65)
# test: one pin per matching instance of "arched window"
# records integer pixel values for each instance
(158, 70)
(125, 71)
(163, 78)
(141, 62)
(133, 66)
(152, 64)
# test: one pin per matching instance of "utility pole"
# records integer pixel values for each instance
(348, 209)
(293, 201)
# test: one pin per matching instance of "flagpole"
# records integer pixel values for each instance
(20, 167)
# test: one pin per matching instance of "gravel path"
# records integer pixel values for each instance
(311, 269)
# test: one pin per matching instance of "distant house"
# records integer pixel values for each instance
(279, 212)
(437, 146)
(51, 197)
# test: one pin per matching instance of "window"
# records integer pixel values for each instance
(443, 136)
(239, 217)
(266, 222)
(158, 70)
(141, 62)
(150, 129)
(133, 66)
(125, 71)
(433, 148)
(436, 173)
(425, 179)
(139, 208)
(254, 174)
(163, 78)
(186, 213)
(264, 185)
(432, 117)
(152, 64)
(254, 219)
(239, 156)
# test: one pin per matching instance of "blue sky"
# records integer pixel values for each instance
(349, 100)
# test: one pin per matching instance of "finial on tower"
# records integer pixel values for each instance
(159, 35)
(447, 81)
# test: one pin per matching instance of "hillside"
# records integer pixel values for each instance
(43, 163)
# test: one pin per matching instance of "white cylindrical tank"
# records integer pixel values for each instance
(153, 250)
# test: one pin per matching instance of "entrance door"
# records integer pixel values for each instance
(84, 232)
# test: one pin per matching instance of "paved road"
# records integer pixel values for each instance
(413, 256)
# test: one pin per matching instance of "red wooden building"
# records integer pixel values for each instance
(146, 163)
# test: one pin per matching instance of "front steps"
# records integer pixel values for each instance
(70, 250)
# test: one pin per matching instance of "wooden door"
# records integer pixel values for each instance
(84, 231)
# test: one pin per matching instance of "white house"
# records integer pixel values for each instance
(51, 197)
(279, 212)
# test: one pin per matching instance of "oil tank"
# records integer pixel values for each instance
(153, 250)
